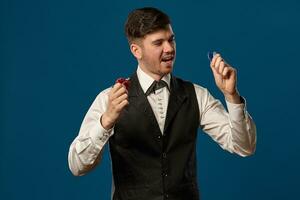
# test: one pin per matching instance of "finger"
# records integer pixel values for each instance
(218, 61)
(213, 61)
(116, 87)
(115, 92)
(120, 99)
(221, 67)
(122, 90)
(214, 70)
(122, 104)
(225, 71)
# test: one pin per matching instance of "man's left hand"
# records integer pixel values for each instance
(225, 78)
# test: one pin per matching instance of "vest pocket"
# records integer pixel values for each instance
(185, 191)
(134, 192)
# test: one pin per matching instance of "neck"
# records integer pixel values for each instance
(155, 76)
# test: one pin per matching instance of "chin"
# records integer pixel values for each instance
(167, 66)
(167, 69)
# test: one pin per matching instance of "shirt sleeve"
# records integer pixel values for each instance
(87, 148)
(234, 130)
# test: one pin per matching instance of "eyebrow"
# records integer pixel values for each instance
(161, 40)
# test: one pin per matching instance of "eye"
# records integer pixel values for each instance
(157, 43)
(172, 39)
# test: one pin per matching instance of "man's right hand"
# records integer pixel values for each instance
(117, 100)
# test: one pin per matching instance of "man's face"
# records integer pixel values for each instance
(158, 52)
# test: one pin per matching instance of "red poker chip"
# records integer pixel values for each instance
(125, 82)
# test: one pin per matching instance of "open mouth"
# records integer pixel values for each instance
(168, 58)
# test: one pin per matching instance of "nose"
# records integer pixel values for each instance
(169, 47)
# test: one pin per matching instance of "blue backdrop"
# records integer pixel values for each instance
(57, 55)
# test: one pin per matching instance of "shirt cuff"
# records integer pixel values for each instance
(237, 111)
(98, 133)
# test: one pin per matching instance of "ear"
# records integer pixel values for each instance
(136, 50)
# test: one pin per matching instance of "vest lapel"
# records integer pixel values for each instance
(139, 100)
(177, 97)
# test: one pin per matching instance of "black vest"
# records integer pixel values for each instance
(148, 165)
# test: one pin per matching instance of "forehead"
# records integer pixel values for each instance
(160, 34)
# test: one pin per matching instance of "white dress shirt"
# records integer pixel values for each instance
(234, 130)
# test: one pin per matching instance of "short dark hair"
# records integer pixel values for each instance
(143, 21)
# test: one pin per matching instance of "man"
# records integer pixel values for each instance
(151, 128)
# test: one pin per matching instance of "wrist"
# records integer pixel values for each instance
(106, 122)
(233, 98)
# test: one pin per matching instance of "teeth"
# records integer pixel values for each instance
(167, 58)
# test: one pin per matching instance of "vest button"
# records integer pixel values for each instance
(164, 155)
(164, 174)
(158, 136)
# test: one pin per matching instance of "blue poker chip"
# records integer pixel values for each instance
(210, 55)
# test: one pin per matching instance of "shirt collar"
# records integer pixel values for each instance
(146, 80)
